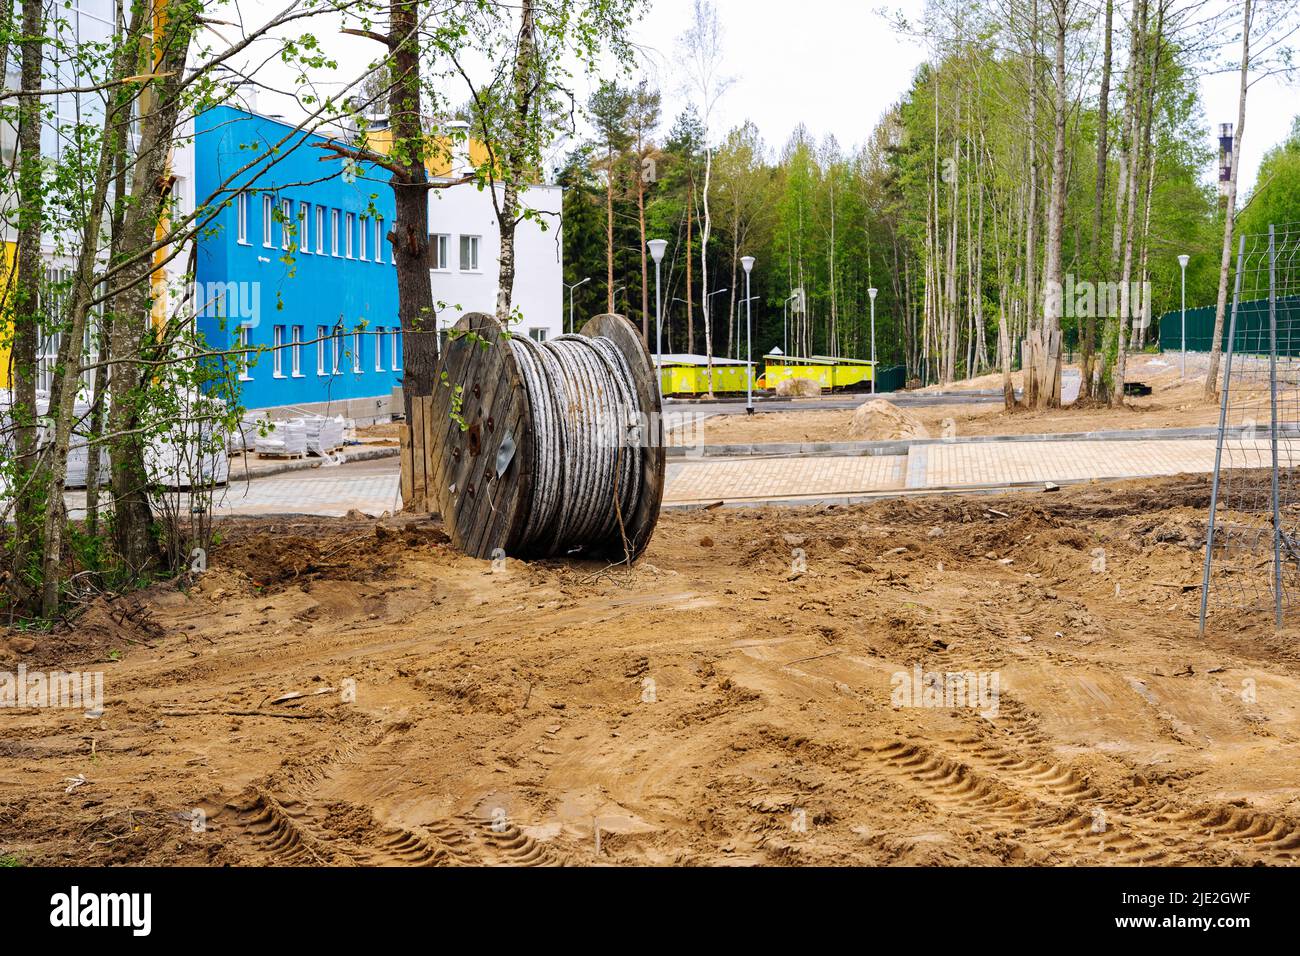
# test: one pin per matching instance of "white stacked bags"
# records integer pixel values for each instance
(324, 435)
(284, 439)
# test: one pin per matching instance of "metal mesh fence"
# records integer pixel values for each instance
(1252, 556)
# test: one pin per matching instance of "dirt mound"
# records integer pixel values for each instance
(798, 388)
(879, 420)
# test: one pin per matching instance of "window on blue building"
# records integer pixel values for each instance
(364, 235)
(296, 351)
(397, 350)
(241, 209)
(267, 216)
(379, 238)
(322, 335)
(277, 341)
(334, 232)
(320, 229)
(303, 244)
(357, 338)
(347, 237)
(286, 223)
(336, 341)
(245, 358)
(379, 348)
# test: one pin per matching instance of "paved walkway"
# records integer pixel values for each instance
(940, 467)
(372, 486)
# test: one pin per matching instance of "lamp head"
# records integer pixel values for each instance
(657, 247)
(1183, 260)
(872, 292)
(748, 263)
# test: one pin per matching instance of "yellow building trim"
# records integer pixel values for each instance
(439, 164)
(7, 273)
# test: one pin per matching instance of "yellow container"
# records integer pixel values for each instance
(829, 374)
(694, 379)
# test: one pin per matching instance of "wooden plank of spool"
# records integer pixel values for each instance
(510, 417)
(639, 526)
(484, 511)
(446, 428)
(406, 467)
(446, 432)
(484, 380)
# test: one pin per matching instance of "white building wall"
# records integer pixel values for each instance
(465, 210)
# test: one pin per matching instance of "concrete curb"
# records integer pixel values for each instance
(350, 452)
(866, 497)
(851, 449)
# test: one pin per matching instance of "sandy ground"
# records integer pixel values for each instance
(728, 701)
(1174, 402)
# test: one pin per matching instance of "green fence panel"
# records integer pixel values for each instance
(891, 378)
(1252, 327)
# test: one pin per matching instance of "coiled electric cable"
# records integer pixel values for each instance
(588, 428)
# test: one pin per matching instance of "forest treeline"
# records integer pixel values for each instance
(1038, 180)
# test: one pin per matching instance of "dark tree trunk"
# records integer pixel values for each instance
(27, 303)
(133, 337)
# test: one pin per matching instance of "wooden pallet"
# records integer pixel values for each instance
(280, 455)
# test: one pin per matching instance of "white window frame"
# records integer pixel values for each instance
(304, 214)
(441, 243)
(295, 351)
(334, 233)
(277, 359)
(286, 226)
(243, 338)
(358, 340)
(268, 216)
(379, 239)
(350, 226)
(397, 349)
(363, 238)
(241, 215)
(533, 334)
(320, 230)
(474, 245)
(336, 349)
(322, 335)
(379, 348)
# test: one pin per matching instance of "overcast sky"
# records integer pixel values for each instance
(834, 65)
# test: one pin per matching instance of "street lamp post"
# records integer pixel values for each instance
(1182, 265)
(872, 292)
(571, 288)
(748, 263)
(657, 247)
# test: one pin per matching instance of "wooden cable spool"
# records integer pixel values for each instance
(484, 455)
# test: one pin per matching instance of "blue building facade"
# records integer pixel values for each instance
(295, 265)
